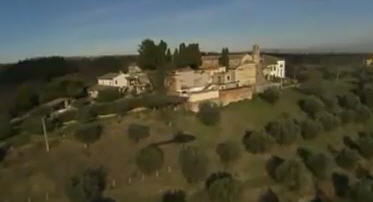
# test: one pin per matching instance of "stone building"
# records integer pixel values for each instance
(368, 62)
(214, 83)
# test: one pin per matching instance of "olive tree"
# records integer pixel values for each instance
(174, 196)
(223, 189)
(310, 128)
(348, 159)
(87, 186)
(258, 142)
(150, 159)
(209, 114)
(193, 164)
(271, 95)
(292, 174)
(312, 105)
(228, 151)
(284, 131)
(88, 133)
(136, 132)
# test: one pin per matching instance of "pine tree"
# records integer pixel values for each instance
(168, 56)
(224, 58)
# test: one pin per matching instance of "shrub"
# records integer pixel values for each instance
(228, 151)
(108, 95)
(174, 196)
(193, 164)
(209, 114)
(328, 120)
(258, 142)
(137, 132)
(347, 159)
(312, 105)
(271, 95)
(310, 128)
(284, 131)
(150, 159)
(224, 189)
(292, 174)
(88, 133)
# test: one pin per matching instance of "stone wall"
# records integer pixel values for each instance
(234, 95)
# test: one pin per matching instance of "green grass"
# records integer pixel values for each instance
(28, 171)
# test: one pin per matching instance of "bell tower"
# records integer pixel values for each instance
(256, 54)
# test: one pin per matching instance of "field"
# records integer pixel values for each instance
(30, 173)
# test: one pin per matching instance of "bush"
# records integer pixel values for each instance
(347, 159)
(258, 142)
(291, 174)
(224, 189)
(328, 120)
(88, 133)
(108, 95)
(174, 196)
(150, 159)
(284, 131)
(137, 132)
(312, 105)
(193, 164)
(271, 95)
(209, 114)
(228, 151)
(311, 129)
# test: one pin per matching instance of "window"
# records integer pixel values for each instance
(228, 78)
(116, 82)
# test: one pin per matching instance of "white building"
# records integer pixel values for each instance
(114, 80)
(273, 67)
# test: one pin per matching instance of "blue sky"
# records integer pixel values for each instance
(32, 28)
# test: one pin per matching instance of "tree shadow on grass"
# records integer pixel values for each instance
(179, 138)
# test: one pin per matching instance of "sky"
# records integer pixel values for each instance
(35, 28)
